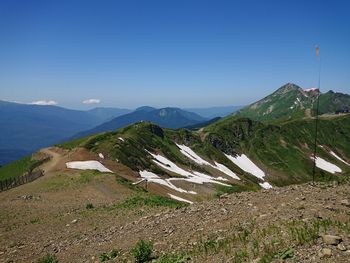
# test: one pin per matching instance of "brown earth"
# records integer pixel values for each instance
(49, 215)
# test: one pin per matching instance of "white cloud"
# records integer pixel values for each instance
(92, 101)
(44, 102)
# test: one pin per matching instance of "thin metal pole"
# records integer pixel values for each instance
(317, 113)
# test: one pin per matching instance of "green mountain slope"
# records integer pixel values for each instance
(283, 151)
(290, 101)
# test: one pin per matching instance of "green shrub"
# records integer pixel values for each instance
(89, 206)
(48, 259)
(142, 251)
(107, 256)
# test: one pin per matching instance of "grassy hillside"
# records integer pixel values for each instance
(283, 151)
(16, 168)
(291, 102)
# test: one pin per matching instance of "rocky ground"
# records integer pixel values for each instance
(300, 223)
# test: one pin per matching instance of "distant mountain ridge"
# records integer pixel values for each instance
(213, 112)
(108, 113)
(26, 128)
(291, 101)
(164, 117)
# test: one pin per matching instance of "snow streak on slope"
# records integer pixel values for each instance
(88, 165)
(194, 177)
(188, 152)
(225, 170)
(243, 162)
(326, 166)
(153, 178)
(247, 165)
(340, 159)
(265, 185)
(180, 199)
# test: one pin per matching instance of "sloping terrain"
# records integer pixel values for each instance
(227, 156)
(290, 101)
(82, 216)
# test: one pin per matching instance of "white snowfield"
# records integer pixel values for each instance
(326, 166)
(265, 185)
(188, 152)
(153, 178)
(243, 162)
(180, 199)
(194, 177)
(340, 159)
(88, 165)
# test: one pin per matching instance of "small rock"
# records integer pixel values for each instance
(345, 202)
(74, 221)
(331, 240)
(325, 253)
(341, 247)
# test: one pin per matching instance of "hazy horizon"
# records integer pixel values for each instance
(184, 54)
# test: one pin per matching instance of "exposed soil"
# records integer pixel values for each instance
(49, 215)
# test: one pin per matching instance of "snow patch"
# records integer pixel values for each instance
(340, 159)
(243, 162)
(225, 170)
(188, 152)
(265, 185)
(153, 178)
(326, 166)
(195, 177)
(180, 199)
(120, 138)
(88, 165)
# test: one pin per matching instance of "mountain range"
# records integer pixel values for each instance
(165, 117)
(234, 153)
(26, 128)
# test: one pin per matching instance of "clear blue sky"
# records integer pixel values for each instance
(169, 52)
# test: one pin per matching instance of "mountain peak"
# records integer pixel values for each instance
(287, 88)
(145, 108)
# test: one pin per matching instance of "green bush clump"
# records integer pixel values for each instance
(142, 251)
(108, 256)
(48, 259)
(89, 206)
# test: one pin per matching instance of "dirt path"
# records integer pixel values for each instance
(53, 162)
